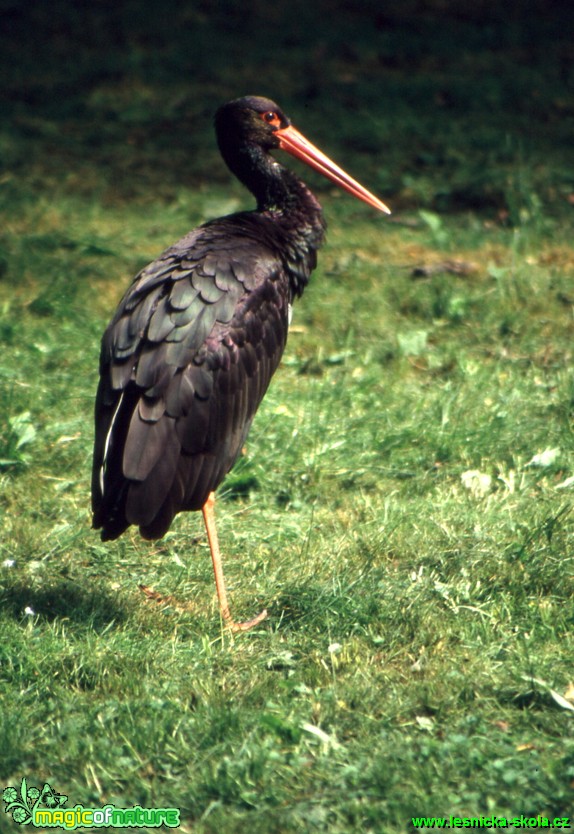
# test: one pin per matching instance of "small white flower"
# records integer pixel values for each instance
(478, 483)
(8, 563)
(29, 612)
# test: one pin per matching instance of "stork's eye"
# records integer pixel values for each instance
(272, 118)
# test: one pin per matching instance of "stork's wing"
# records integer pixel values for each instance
(184, 365)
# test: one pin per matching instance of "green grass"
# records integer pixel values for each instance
(409, 615)
(420, 639)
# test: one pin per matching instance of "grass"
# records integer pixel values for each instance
(410, 614)
(404, 507)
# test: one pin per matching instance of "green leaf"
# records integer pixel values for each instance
(413, 343)
(23, 429)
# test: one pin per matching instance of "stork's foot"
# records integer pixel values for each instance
(173, 602)
(209, 519)
(235, 627)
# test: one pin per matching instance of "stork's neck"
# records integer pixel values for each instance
(275, 187)
(295, 212)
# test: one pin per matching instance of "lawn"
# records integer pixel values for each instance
(404, 504)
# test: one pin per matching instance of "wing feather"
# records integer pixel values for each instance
(146, 496)
(184, 365)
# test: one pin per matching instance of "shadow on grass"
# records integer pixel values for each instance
(64, 600)
(528, 699)
(348, 608)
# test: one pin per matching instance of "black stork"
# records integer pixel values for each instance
(195, 340)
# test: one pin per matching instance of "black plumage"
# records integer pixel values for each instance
(195, 340)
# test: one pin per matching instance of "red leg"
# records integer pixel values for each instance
(209, 519)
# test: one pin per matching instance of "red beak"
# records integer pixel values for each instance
(293, 142)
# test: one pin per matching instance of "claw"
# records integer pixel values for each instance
(249, 623)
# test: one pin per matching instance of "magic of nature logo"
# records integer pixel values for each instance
(45, 808)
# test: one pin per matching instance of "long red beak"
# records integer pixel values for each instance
(293, 142)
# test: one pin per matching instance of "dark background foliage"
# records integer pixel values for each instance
(417, 88)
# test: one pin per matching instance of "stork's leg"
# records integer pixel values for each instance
(209, 519)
